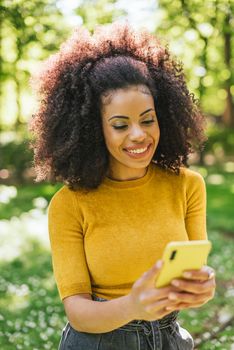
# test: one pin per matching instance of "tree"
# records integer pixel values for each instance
(202, 31)
(30, 31)
(97, 12)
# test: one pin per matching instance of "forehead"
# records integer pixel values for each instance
(131, 99)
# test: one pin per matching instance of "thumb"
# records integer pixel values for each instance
(148, 278)
(153, 272)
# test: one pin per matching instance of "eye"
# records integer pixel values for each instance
(122, 127)
(148, 121)
(119, 127)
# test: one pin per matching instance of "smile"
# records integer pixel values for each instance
(138, 151)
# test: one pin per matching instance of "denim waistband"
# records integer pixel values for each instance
(164, 322)
(152, 329)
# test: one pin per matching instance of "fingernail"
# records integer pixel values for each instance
(172, 296)
(211, 275)
(187, 274)
(175, 283)
(169, 308)
(159, 264)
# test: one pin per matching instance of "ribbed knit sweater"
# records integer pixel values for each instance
(103, 240)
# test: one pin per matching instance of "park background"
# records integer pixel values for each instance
(198, 32)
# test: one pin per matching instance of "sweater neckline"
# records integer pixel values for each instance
(130, 183)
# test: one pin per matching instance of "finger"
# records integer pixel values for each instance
(156, 294)
(205, 273)
(160, 305)
(196, 287)
(164, 312)
(182, 306)
(150, 275)
(189, 298)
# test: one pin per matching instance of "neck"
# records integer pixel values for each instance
(119, 177)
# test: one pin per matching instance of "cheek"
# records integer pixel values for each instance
(156, 132)
(113, 140)
(113, 143)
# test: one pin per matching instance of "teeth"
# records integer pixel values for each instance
(139, 150)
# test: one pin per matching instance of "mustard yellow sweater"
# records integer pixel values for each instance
(104, 240)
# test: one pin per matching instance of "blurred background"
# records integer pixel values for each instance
(199, 32)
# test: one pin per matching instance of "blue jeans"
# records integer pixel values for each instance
(164, 334)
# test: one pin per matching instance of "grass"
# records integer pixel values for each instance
(21, 199)
(31, 313)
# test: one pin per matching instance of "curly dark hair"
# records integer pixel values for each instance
(68, 141)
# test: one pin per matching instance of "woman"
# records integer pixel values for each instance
(115, 125)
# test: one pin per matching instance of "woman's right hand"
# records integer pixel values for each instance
(148, 302)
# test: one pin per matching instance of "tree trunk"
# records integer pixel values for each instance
(18, 84)
(18, 102)
(228, 115)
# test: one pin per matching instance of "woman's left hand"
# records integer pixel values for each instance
(196, 288)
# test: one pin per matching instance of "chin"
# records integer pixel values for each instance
(142, 165)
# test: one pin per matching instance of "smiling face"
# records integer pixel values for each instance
(131, 131)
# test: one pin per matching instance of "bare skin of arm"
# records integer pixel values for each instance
(144, 302)
(86, 315)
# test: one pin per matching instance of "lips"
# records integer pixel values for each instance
(142, 151)
(137, 148)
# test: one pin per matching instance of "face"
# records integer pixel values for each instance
(131, 131)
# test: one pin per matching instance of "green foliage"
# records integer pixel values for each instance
(31, 314)
(16, 158)
(98, 12)
(198, 32)
(220, 203)
(220, 138)
(28, 24)
(21, 199)
(220, 196)
(30, 31)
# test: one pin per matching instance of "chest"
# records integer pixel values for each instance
(124, 238)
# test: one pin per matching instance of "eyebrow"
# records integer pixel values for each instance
(124, 117)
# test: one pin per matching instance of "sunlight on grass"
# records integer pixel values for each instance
(215, 179)
(7, 193)
(31, 314)
(15, 301)
(20, 229)
(229, 167)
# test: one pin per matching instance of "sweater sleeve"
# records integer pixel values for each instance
(67, 245)
(195, 218)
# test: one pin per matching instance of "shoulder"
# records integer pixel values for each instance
(67, 199)
(63, 194)
(186, 178)
(191, 176)
(193, 181)
(185, 174)
(63, 199)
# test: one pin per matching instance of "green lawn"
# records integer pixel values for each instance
(31, 314)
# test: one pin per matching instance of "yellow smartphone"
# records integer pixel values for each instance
(181, 256)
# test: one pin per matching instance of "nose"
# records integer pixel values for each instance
(137, 134)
